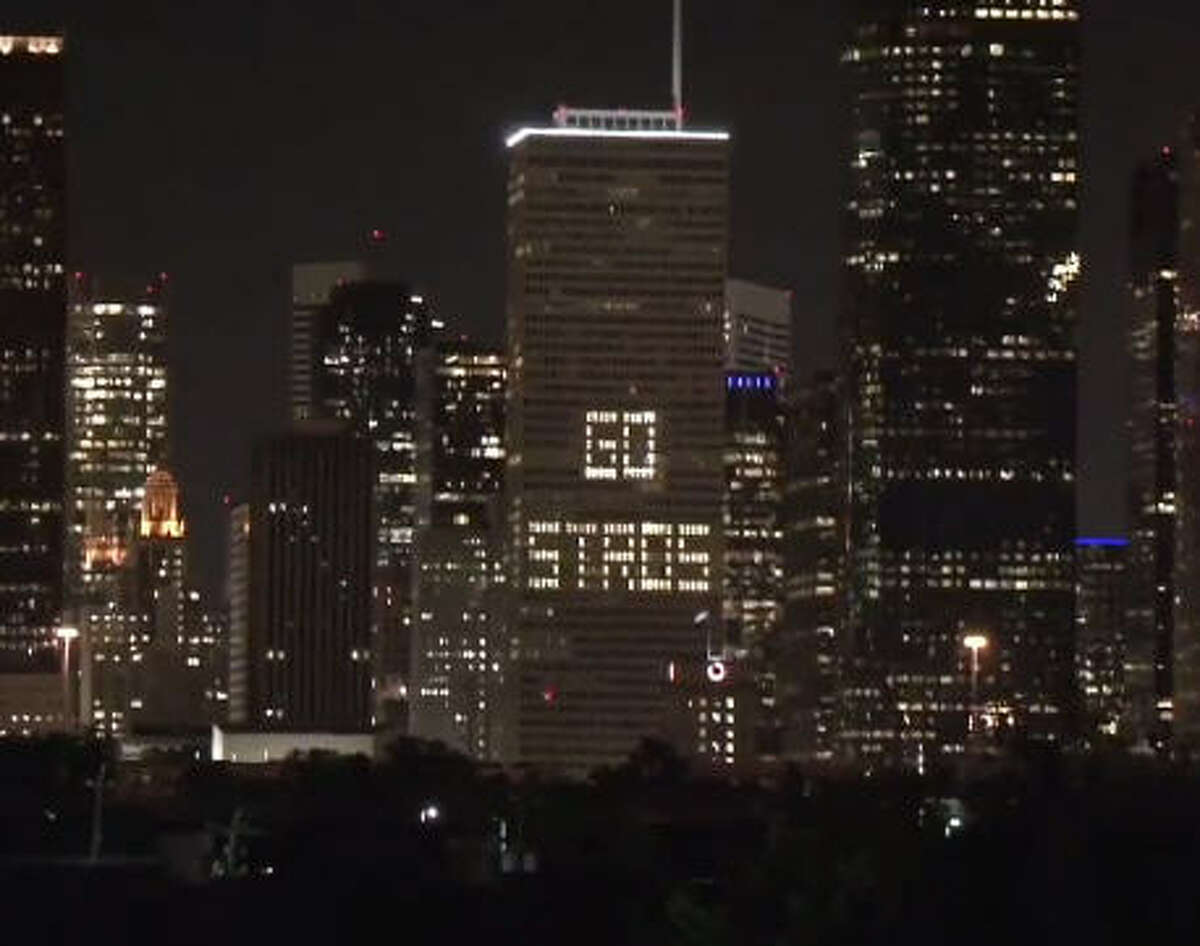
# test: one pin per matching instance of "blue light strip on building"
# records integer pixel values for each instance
(739, 382)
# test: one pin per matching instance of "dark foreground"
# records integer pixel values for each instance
(1042, 851)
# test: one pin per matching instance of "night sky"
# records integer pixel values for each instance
(221, 141)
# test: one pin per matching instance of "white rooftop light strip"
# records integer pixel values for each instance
(648, 134)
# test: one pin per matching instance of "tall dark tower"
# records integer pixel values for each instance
(32, 345)
(355, 341)
(1185, 707)
(960, 358)
(1153, 512)
(307, 656)
(805, 651)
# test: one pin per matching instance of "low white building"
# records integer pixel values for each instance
(253, 746)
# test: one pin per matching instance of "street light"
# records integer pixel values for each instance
(974, 643)
(430, 813)
(66, 635)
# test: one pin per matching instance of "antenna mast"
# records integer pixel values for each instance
(677, 64)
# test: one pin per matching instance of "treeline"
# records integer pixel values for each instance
(423, 843)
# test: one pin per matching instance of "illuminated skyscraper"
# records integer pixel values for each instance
(354, 360)
(753, 567)
(176, 679)
(1154, 284)
(312, 286)
(116, 437)
(758, 327)
(459, 652)
(617, 235)
(805, 651)
(1102, 616)
(960, 356)
(116, 429)
(32, 350)
(753, 572)
(141, 619)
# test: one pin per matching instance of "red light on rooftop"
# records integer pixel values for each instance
(378, 236)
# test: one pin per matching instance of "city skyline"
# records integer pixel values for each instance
(1133, 102)
(962, 182)
(755, 502)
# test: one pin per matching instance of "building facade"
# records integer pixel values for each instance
(459, 649)
(961, 269)
(152, 660)
(116, 429)
(753, 572)
(752, 576)
(179, 676)
(307, 651)
(32, 351)
(237, 598)
(1102, 616)
(1154, 446)
(806, 650)
(116, 438)
(716, 713)
(617, 237)
(757, 327)
(355, 345)
(1186, 705)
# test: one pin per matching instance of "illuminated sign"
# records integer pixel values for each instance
(617, 556)
(717, 671)
(620, 445)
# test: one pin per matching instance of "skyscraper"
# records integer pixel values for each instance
(1102, 616)
(1186, 700)
(307, 653)
(32, 349)
(459, 651)
(237, 597)
(116, 428)
(312, 285)
(1154, 285)
(752, 573)
(116, 437)
(142, 666)
(354, 360)
(175, 674)
(757, 328)
(617, 235)
(805, 650)
(960, 356)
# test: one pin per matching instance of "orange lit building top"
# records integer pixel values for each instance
(160, 508)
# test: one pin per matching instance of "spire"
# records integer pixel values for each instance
(677, 64)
